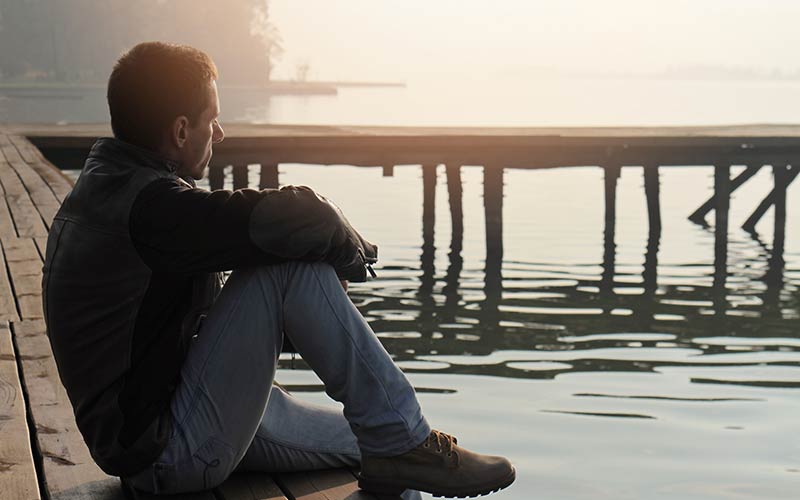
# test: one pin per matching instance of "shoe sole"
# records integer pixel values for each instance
(392, 488)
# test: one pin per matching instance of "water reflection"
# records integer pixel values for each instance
(527, 319)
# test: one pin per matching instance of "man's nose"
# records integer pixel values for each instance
(219, 134)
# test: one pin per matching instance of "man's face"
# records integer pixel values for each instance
(196, 152)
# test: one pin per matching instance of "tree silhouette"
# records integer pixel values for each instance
(79, 40)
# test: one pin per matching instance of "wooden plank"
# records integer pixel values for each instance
(139, 495)
(250, 486)
(17, 471)
(27, 219)
(69, 471)
(333, 484)
(59, 183)
(8, 305)
(25, 266)
(40, 193)
(7, 228)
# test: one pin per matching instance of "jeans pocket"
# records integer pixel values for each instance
(163, 478)
(216, 459)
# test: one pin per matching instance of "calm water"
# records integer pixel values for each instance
(595, 388)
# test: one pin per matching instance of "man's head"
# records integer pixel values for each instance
(163, 97)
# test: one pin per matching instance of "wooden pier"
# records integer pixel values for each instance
(42, 454)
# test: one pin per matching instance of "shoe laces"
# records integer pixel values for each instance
(443, 443)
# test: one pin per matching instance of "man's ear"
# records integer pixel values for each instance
(179, 131)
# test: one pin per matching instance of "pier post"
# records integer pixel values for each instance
(428, 222)
(781, 176)
(722, 191)
(269, 176)
(652, 188)
(493, 211)
(240, 176)
(388, 170)
(455, 193)
(609, 246)
(216, 176)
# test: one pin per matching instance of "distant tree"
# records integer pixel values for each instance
(78, 40)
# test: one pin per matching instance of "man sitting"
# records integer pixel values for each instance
(169, 372)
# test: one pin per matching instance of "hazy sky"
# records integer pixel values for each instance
(388, 39)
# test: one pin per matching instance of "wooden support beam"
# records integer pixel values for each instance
(781, 176)
(388, 170)
(699, 215)
(428, 223)
(722, 192)
(269, 176)
(611, 178)
(652, 188)
(455, 194)
(493, 210)
(216, 176)
(240, 176)
(750, 224)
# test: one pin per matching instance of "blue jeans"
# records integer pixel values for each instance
(226, 413)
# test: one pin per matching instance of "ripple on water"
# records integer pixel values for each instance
(538, 366)
(643, 337)
(422, 365)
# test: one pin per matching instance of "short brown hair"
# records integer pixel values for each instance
(154, 83)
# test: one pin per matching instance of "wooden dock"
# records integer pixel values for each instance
(42, 454)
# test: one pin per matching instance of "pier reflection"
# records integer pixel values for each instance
(522, 319)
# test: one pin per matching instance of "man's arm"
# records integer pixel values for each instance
(181, 229)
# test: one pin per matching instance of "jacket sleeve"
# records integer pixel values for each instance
(182, 229)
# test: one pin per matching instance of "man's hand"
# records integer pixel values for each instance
(344, 283)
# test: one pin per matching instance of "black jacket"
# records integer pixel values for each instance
(133, 261)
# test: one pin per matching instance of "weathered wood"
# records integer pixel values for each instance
(455, 194)
(17, 471)
(611, 178)
(781, 174)
(69, 472)
(43, 198)
(250, 486)
(722, 186)
(134, 494)
(7, 229)
(55, 179)
(8, 304)
(428, 203)
(508, 146)
(652, 190)
(25, 267)
(26, 217)
(240, 176)
(216, 176)
(336, 484)
(269, 176)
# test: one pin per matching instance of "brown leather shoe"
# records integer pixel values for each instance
(437, 466)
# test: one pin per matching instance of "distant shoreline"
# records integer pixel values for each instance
(275, 87)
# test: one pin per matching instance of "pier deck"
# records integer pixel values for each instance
(42, 454)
